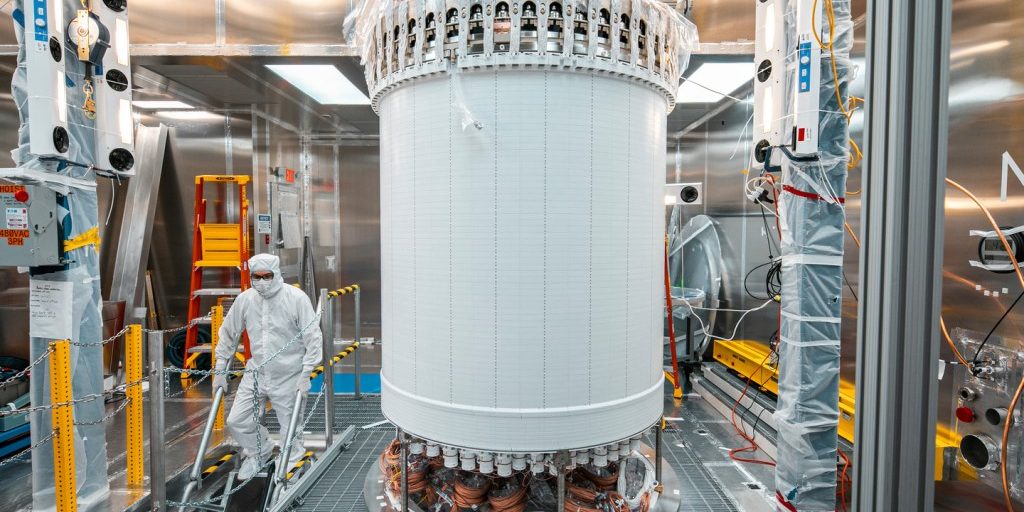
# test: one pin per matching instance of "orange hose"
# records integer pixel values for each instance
(1020, 387)
(671, 325)
(852, 234)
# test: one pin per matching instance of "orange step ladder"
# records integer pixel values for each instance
(216, 246)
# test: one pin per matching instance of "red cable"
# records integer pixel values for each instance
(752, 446)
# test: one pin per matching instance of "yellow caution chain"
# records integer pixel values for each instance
(90, 237)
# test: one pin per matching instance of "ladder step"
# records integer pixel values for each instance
(204, 348)
(216, 292)
(224, 263)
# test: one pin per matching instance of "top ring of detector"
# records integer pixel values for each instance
(639, 39)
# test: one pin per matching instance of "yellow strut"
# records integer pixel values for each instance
(63, 418)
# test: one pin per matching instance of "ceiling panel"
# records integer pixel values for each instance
(212, 82)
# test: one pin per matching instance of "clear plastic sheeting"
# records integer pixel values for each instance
(695, 262)
(812, 218)
(77, 210)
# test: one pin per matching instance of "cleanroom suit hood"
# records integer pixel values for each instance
(285, 342)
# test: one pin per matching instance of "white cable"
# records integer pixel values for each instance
(736, 328)
(712, 90)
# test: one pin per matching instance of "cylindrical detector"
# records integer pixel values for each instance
(514, 194)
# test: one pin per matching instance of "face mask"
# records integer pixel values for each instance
(261, 286)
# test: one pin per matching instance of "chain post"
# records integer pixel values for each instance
(359, 341)
(327, 335)
(216, 319)
(63, 418)
(133, 393)
(157, 471)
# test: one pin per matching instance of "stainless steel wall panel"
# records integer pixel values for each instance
(285, 21)
(158, 21)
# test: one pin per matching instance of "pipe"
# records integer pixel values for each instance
(327, 328)
(195, 477)
(560, 497)
(359, 366)
(657, 450)
(293, 424)
(157, 471)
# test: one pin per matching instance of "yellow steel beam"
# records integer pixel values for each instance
(750, 359)
(133, 417)
(216, 319)
(63, 418)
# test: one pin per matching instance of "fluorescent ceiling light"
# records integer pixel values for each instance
(322, 82)
(160, 105)
(713, 80)
(189, 115)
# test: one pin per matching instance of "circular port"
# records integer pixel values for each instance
(117, 80)
(689, 194)
(979, 451)
(965, 414)
(56, 50)
(764, 70)
(121, 159)
(995, 415)
(116, 5)
(61, 141)
(967, 394)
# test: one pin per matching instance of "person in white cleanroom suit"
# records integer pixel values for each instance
(275, 316)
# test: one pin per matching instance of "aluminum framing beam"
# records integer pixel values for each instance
(901, 261)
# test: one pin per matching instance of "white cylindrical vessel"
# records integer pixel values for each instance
(522, 218)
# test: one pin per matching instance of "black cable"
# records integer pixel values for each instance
(1006, 313)
(773, 281)
(848, 285)
(758, 391)
(767, 232)
(747, 277)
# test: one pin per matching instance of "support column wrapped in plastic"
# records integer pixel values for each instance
(77, 214)
(812, 214)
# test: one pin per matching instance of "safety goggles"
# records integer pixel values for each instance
(262, 276)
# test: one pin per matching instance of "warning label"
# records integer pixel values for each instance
(17, 218)
(10, 189)
(14, 233)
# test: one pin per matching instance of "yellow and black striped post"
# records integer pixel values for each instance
(63, 418)
(343, 291)
(213, 467)
(133, 416)
(216, 319)
(335, 360)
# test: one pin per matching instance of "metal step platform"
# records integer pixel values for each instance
(338, 486)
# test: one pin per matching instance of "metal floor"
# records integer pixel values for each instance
(693, 446)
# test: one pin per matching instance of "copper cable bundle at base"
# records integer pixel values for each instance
(470, 491)
(509, 495)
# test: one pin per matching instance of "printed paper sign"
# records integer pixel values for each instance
(17, 218)
(50, 309)
(263, 223)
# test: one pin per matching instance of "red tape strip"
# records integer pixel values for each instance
(807, 195)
